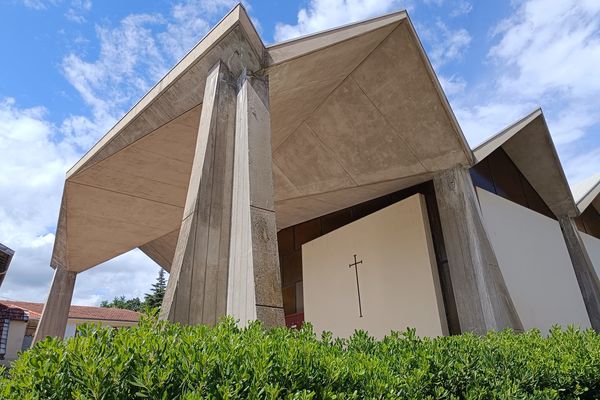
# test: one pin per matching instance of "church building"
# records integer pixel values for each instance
(326, 179)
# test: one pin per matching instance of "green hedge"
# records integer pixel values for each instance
(167, 361)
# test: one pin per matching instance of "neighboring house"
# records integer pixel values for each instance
(19, 320)
(6, 256)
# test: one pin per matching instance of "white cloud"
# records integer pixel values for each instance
(36, 153)
(445, 44)
(453, 84)
(461, 7)
(189, 23)
(324, 14)
(547, 53)
(34, 4)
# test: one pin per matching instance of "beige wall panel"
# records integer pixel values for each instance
(592, 246)
(535, 264)
(398, 277)
(395, 79)
(362, 140)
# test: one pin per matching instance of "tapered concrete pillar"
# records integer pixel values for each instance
(226, 259)
(56, 310)
(254, 290)
(482, 299)
(584, 269)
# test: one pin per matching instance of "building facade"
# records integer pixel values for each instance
(19, 321)
(326, 179)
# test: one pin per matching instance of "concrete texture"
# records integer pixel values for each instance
(587, 277)
(56, 309)
(197, 287)
(482, 300)
(226, 260)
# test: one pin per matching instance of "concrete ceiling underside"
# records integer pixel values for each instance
(356, 113)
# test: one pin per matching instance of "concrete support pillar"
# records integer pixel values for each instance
(482, 299)
(584, 269)
(56, 310)
(226, 259)
(254, 290)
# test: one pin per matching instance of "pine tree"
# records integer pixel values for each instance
(155, 297)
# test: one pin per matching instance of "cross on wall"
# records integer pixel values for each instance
(355, 265)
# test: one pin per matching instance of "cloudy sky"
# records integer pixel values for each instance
(71, 68)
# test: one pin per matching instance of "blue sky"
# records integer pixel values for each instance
(71, 68)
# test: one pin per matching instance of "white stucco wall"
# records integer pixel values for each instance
(593, 248)
(16, 332)
(398, 277)
(535, 264)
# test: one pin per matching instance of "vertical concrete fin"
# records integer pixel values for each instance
(482, 299)
(584, 269)
(56, 310)
(254, 277)
(197, 290)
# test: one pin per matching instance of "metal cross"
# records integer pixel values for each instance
(355, 265)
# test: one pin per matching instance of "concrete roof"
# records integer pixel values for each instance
(587, 192)
(529, 145)
(356, 112)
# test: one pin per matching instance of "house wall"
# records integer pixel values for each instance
(16, 332)
(399, 284)
(535, 264)
(73, 323)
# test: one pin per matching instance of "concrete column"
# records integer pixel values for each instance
(584, 269)
(482, 299)
(226, 259)
(56, 310)
(254, 278)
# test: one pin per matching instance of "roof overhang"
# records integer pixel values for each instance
(587, 193)
(356, 113)
(6, 256)
(529, 145)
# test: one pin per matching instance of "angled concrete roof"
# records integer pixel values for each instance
(356, 113)
(529, 145)
(587, 193)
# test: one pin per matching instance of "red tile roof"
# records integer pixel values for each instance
(79, 312)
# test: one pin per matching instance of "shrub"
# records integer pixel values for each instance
(158, 360)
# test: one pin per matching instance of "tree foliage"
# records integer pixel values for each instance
(152, 300)
(155, 297)
(134, 304)
(159, 360)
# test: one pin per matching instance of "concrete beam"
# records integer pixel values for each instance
(588, 281)
(482, 299)
(56, 310)
(226, 259)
